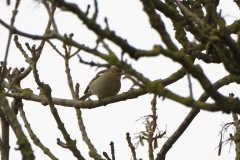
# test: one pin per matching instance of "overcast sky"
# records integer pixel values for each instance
(112, 122)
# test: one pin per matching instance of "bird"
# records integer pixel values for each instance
(106, 83)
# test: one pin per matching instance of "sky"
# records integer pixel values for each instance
(112, 122)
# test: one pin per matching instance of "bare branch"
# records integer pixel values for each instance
(33, 136)
(131, 146)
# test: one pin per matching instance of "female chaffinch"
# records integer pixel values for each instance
(105, 84)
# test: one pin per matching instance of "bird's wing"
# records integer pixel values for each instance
(99, 74)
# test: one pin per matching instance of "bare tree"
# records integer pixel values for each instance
(213, 45)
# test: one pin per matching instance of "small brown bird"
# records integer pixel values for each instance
(105, 84)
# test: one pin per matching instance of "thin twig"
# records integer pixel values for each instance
(112, 150)
(9, 40)
(33, 136)
(46, 90)
(93, 152)
(96, 11)
(55, 48)
(131, 146)
(191, 16)
(106, 155)
(190, 85)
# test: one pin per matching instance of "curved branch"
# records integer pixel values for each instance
(191, 115)
(104, 33)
